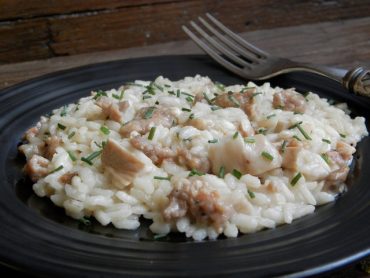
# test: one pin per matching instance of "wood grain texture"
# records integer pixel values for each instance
(340, 44)
(72, 27)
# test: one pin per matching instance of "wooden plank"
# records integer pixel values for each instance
(340, 44)
(18, 9)
(24, 41)
(116, 27)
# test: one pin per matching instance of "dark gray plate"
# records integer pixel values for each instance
(38, 238)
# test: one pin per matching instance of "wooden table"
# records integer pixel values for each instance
(339, 43)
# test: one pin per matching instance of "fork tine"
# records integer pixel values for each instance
(213, 53)
(219, 47)
(228, 42)
(247, 45)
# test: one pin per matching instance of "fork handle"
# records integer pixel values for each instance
(357, 81)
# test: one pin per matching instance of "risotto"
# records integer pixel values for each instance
(193, 155)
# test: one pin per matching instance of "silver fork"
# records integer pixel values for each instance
(250, 62)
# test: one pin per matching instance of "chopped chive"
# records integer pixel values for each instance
(214, 108)
(251, 194)
(158, 87)
(304, 133)
(297, 113)
(283, 146)
(97, 144)
(159, 236)
(220, 86)
(92, 156)
(56, 169)
(115, 96)
(149, 89)
(221, 172)
(151, 133)
(99, 94)
(64, 111)
(191, 116)
(342, 135)
(62, 127)
(77, 107)
(262, 130)
(71, 134)
(236, 174)
(270, 116)
(185, 109)
(178, 93)
(119, 97)
(149, 112)
(246, 88)
(213, 141)
(186, 94)
(256, 94)
(134, 84)
(157, 102)
(207, 98)
(249, 140)
(85, 221)
(296, 137)
(295, 125)
(71, 156)
(105, 130)
(267, 156)
(325, 157)
(233, 100)
(189, 99)
(171, 93)
(162, 178)
(296, 178)
(195, 172)
(235, 135)
(167, 86)
(146, 97)
(326, 141)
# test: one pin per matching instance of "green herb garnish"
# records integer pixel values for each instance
(214, 108)
(71, 156)
(221, 172)
(185, 109)
(162, 178)
(296, 137)
(262, 130)
(85, 221)
(64, 111)
(235, 135)
(62, 127)
(296, 178)
(149, 112)
(270, 116)
(191, 116)
(249, 140)
(220, 86)
(233, 100)
(267, 156)
(236, 174)
(195, 172)
(326, 158)
(251, 194)
(342, 135)
(146, 97)
(57, 169)
(99, 94)
(105, 130)
(91, 157)
(71, 134)
(151, 133)
(213, 141)
(207, 98)
(326, 141)
(255, 94)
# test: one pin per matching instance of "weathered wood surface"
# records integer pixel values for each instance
(341, 44)
(44, 28)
